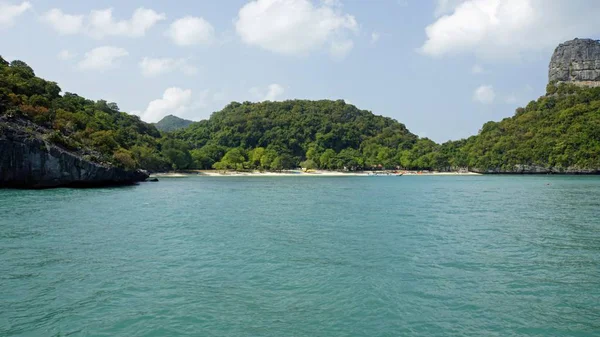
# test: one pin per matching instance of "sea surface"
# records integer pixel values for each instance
(304, 256)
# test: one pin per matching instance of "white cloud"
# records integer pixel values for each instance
(293, 26)
(375, 37)
(497, 29)
(175, 101)
(151, 67)
(102, 58)
(339, 49)
(275, 90)
(477, 69)
(190, 31)
(66, 55)
(271, 93)
(9, 12)
(484, 94)
(101, 23)
(63, 23)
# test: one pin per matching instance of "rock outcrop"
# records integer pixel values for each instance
(29, 161)
(576, 61)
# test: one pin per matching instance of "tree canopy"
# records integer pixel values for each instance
(560, 129)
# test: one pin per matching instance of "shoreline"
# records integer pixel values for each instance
(300, 173)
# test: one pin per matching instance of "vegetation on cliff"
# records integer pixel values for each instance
(560, 130)
(96, 130)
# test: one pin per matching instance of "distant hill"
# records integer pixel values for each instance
(172, 123)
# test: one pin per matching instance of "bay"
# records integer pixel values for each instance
(304, 256)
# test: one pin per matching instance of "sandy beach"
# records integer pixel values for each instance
(299, 173)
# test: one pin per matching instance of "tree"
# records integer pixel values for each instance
(327, 159)
(234, 159)
(124, 159)
(177, 154)
(267, 159)
(255, 156)
(309, 164)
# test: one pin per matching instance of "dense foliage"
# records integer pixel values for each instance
(95, 129)
(279, 135)
(561, 130)
(172, 123)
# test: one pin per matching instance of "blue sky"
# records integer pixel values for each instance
(442, 67)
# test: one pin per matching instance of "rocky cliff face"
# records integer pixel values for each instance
(576, 61)
(27, 161)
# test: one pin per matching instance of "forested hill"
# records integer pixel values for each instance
(330, 134)
(560, 132)
(172, 123)
(96, 131)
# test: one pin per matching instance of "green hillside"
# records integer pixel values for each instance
(96, 130)
(272, 135)
(560, 131)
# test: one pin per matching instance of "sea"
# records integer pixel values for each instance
(304, 256)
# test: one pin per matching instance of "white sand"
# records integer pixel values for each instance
(169, 175)
(319, 173)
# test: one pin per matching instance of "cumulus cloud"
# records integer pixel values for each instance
(271, 93)
(102, 58)
(66, 55)
(63, 23)
(152, 67)
(484, 94)
(275, 90)
(498, 29)
(294, 26)
(190, 31)
(9, 12)
(101, 23)
(175, 101)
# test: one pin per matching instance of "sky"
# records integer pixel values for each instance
(441, 67)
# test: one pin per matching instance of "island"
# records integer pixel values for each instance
(49, 139)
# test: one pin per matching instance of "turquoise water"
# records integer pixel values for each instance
(302, 256)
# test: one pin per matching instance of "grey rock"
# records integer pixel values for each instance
(576, 61)
(27, 161)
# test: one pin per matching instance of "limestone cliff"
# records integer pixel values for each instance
(28, 160)
(576, 61)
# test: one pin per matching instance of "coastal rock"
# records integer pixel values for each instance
(576, 61)
(27, 161)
